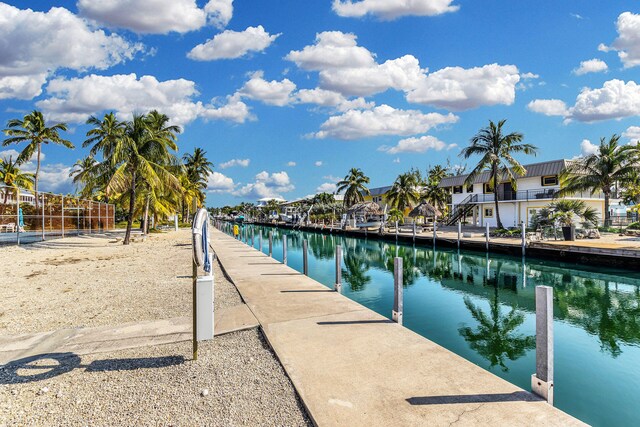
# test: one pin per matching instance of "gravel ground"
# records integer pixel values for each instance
(236, 381)
(245, 386)
(93, 281)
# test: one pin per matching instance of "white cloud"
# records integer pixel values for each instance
(328, 98)
(327, 187)
(633, 133)
(331, 178)
(548, 107)
(219, 12)
(333, 49)
(267, 185)
(392, 9)
(276, 93)
(587, 148)
(591, 66)
(456, 88)
(401, 74)
(52, 177)
(614, 100)
(30, 164)
(235, 162)
(396, 160)
(233, 44)
(38, 43)
(416, 145)
(318, 163)
(157, 16)
(628, 42)
(74, 100)
(291, 164)
(219, 183)
(382, 120)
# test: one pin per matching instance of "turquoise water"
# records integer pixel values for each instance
(483, 308)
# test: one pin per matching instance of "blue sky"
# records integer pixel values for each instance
(286, 96)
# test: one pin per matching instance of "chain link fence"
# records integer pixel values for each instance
(27, 217)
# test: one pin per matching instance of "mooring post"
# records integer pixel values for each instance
(17, 216)
(487, 237)
(459, 232)
(524, 239)
(284, 249)
(396, 314)
(253, 235)
(414, 231)
(542, 380)
(42, 194)
(305, 258)
(62, 213)
(271, 243)
(338, 285)
(260, 240)
(434, 232)
(396, 231)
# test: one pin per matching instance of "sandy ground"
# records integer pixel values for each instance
(236, 381)
(92, 281)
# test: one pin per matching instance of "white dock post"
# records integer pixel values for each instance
(542, 380)
(396, 314)
(414, 231)
(271, 243)
(524, 240)
(253, 235)
(17, 216)
(487, 236)
(42, 194)
(434, 232)
(62, 214)
(396, 231)
(284, 249)
(459, 232)
(260, 240)
(175, 222)
(305, 257)
(338, 285)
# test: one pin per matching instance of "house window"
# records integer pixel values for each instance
(487, 188)
(470, 188)
(549, 180)
(488, 212)
(457, 189)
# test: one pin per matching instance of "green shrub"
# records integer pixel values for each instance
(634, 226)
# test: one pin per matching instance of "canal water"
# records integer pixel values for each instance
(482, 307)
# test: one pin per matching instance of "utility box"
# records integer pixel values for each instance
(204, 308)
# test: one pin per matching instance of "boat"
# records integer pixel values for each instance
(239, 219)
(369, 225)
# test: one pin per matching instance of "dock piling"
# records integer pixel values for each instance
(253, 235)
(305, 257)
(284, 249)
(396, 231)
(542, 380)
(459, 232)
(270, 243)
(487, 237)
(524, 238)
(260, 240)
(338, 285)
(396, 314)
(414, 231)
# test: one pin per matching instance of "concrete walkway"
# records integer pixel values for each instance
(112, 338)
(354, 367)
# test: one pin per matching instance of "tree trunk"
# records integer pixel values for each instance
(607, 214)
(35, 184)
(132, 202)
(495, 195)
(145, 228)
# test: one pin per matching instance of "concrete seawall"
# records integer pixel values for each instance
(353, 367)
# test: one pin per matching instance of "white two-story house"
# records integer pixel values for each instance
(474, 204)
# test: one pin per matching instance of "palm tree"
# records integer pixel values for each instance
(104, 135)
(84, 175)
(497, 152)
(33, 130)
(395, 215)
(354, 184)
(404, 192)
(139, 154)
(434, 194)
(197, 170)
(565, 211)
(11, 177)
(600, 171)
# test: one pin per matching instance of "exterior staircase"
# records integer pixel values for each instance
(462, 210)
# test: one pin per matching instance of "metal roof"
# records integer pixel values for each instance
(553, 167)
(379, 190)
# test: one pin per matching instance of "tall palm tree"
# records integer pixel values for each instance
(33, 130)
(141, 154)
(496, 150)
(84, 175)
(197, 170)
(12, 178)
(354, 185)
(404, 193)
(103, 137)
(600, 171)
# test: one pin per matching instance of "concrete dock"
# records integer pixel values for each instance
(353, 367)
